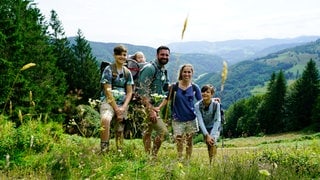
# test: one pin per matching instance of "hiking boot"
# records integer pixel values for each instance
(104, 147)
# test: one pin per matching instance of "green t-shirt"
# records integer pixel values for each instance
(152, 79)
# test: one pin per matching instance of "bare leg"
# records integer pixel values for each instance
(156, 145)
(119, 139)
(189, 146)
(147, 140)
(212, 151)
(105, 134)
(179, 141)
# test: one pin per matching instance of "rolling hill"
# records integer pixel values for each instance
(247, 74)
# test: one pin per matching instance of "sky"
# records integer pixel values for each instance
(160, 22)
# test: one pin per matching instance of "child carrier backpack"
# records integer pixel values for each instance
(104, 64)
(134, 68)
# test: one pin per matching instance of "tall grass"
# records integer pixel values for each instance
(50, 154)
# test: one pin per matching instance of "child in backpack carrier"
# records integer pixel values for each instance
(209, 118)
(139, 57)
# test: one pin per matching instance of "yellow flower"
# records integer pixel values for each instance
(184, 27)
(264, 172)
(27, 66)
(224, 74)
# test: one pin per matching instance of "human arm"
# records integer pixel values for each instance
(215, 132)
(107, 89)
(144, 91)
(162, 104)
(200, 119)
(209, 140)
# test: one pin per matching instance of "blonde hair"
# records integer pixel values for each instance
(181, 70)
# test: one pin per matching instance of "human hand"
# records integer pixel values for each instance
(119, 114)
(209, 140)
(157, 109)
(153, 116)
(216, 100)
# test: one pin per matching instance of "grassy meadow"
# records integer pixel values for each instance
(42, 151)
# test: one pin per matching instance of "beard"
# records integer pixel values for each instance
(163, 61)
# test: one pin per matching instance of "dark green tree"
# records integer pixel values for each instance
(302, 98)
(66, 60)
(233, 115)
(86, 76)
(37, 90)
(316, 115)
(248, 124)
(271, 112)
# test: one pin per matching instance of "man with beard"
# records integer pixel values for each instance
(153, 81)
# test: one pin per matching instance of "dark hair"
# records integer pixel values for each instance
(208, 87)
(119, 49)
(161, 48)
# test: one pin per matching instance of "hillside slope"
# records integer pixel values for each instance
(246, 75)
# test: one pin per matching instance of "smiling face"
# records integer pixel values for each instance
(186, 72)
(163, 56)
(207, 92)
(120, 58)
(120, 54)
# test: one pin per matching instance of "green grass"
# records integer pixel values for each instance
(54, 155)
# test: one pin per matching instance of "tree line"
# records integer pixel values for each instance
(66, 75)
(282, 109)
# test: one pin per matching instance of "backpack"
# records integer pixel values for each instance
(104, 64)
(134, 67)
(201, 107)
(157, 70)
(175, 88)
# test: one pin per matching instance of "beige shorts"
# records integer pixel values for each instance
(107, 112)
(160, 127)
(187, 127)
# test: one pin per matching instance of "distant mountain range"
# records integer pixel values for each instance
(251, 62)
(238, 50)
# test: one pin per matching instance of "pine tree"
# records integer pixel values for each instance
(302, 98)
(39, 89)
(87, 74)
(66, 60)
(271, 112)
(316, 115)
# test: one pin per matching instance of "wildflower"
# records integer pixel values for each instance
(264, 172)
(117, 94)
(27, 66)
(275, 166)
(224, 74)
(31, 141)
(20, 115)
(157, 98)
(7, 160)
(184, 26)
(180, 165)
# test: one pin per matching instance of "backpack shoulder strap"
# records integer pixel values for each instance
(156, 70)
(193, 87)
(126, 72)
(114, 71)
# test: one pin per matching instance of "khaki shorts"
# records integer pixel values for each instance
(107, 112)
(185, 127)
(160, 127)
